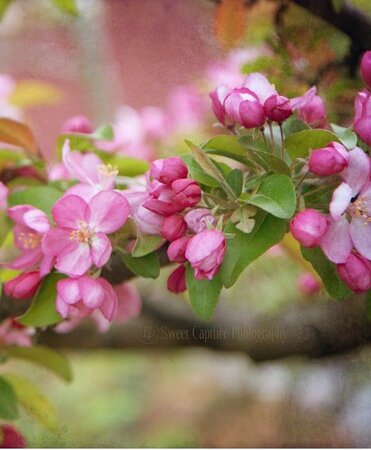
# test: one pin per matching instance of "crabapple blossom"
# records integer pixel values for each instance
(329, 160)
(197, 219)
(173, 227)
(176, 281)
(308, 227)
(10, 437)
(14, 333)
(356, 273)
(168, 170)
(277, 108)
(78, 124)
(362, 117)
(366, 68)
(217, 104)
(79, 297)
(205, 252)
(177, 249)
(244, 107)
(308, 284)
(146, 221)
(80, 240)
(314, 113)
(23, 286)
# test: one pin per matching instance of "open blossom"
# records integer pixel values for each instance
(31, 226)
(205, 251)
(79, 297)
(80, 240)
(356, 273)
(14, 333)
(362, 117)
(78, 124)
(366, 68)
(308, 227)
(217, 103)
(329, 160)
(168, 170)
(23, 286)
(350, 210)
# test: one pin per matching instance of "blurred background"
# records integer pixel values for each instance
(147, 67)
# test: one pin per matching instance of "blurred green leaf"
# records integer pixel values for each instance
(4, 5)
(147, 266)
(328, 273)
(43, 356)
(42, 197)
(42, 311)
(8, 401)
(5, 226)
(67, 6)
(203, 294)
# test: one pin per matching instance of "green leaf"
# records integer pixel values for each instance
(33, 401)
(235, 181)
(5, 226)
(126, 166)
(299, 145)
(203, 294)
(198, 174)
(293, 125)
(229, 147)
(252, 143)
(328, 273)
(46, 357)
(103, 133)
(276, 195)
(4, 5)
(42, 311)
(8, 401)
(67, 6)
(346, 135)
(42, 197)
(147, 266)
(146, 243)
(245, 248)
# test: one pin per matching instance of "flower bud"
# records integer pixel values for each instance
(176, 250)
(277, 108)
(309, 227)
(366, 68)
(23, 286)
(168, 170)
(314, 113)
(187, 192)
(177, 281)
(356, 273)
(206, 259)
(362, 118)
(329, 160)
(308, 284)
(173, 227)
(10, 437)
(197, 219)
(78, 124)
(217, 103)
(243, 107)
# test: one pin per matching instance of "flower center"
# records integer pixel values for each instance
(30, 241)
(358, 209)
(82, 234)
(108, 170)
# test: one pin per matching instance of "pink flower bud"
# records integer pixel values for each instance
(329, 160)
(244, 107)
(356, 273)
(366, 68)
(173, 227)
(362, 118)
(177, 281)
(78, 124)
(23, 286)
(308, 227)
(277, 108)
(187, 192)
(217, 103)
(176, 250)
(168, 170)
(308, 284)
(314, 113)
(10, 437)
(205, 252)
(197, 219)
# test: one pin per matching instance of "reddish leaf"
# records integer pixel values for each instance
(230, 22)
(18, 134)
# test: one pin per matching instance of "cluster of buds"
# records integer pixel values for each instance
(362, 103)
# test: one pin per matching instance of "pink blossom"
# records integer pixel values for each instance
(366, 68)
(362, 118)
(13, 333)
(80, 240)
(31, 226)
(173, 227)
(176, 281)
(308, 284)
(313, 113)
(58, 172)
(308, 227)
(277, 108)
(186, 108)
(187, 192)
(168, 170)
(244, 107)
(78, 124)
(23, 286)
(217, 103)
(329, 160)
(198, 219)
(177, 249)
(356, 273)
(205, 252)
(155, 122)
(148, 222)
(3, 196)
(11, 437)
(350, 210)
(79, 297)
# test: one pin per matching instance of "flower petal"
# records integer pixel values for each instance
(81, 167)
(55, 241)
(75, 260)
(69, 211)
(259, 84)
(69, 290)
(360, 233)
(101, 249)
(109, 211)
(358, 170)
(37, 220)
(27, 260)
(340, 200)
(92, 292)
(109, 306)
(337, 244)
